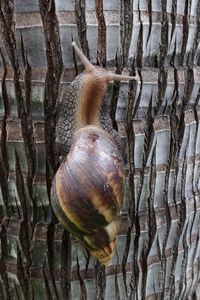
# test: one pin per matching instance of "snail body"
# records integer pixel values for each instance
(87, 190)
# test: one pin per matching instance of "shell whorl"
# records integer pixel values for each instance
(87, 190)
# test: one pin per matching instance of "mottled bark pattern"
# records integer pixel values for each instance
(158, 119)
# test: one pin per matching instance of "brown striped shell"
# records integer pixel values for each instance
(88, 188)
(87, 191)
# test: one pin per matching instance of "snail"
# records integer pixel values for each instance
(87, 189)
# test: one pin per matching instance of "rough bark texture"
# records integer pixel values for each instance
(158, 248)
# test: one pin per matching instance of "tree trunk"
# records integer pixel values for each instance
(158, 247)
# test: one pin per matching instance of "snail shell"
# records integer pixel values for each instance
(87, 190)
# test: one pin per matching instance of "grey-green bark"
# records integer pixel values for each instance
(158, 248)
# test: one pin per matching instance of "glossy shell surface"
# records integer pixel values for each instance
(88, 189)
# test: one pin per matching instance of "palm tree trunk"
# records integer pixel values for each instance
(158, 247)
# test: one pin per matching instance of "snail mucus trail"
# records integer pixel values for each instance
(88, 188)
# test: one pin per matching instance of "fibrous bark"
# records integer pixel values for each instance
(158, 248)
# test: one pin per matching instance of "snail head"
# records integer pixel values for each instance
(94, 87)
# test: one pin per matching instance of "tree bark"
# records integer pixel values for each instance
(158, 247)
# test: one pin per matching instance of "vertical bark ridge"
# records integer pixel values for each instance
(82, 26)
(17, 292)
(8, 7)
(185, 32)
(196, 115)
(51, 254)
(51, 235)
(130, 154)
(182, 285)
(100, 281)
(27, 78)
(194, 188)
(174, 118)
(8, 36)
(27, 131)
(163, 254)
(188, 88)
(149, 134)
(191, 56)
(173, 56)
(53, 76)
(195, 45)
(135, 267)
(168, 217)
(117, 293)
(48, 178)
(151, 228)
(25, 234)
(181, 221)
(173, 18)
(150, 19)
(4, 160)
(139, 54)
(3, 260)
(47, 286)
(2, 291)
(23, 276)
(162, 77)
(182, 218)
(193, 260)
(4, 149)
(137, 102)
(181, 215)
(101, 43)
(133, 286)
(126, 27)
(175, 246)
(138, 61)
(148, 139)
(125, 257)
(82, 284)
(65, 275)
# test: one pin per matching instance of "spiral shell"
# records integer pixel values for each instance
(87, 191)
